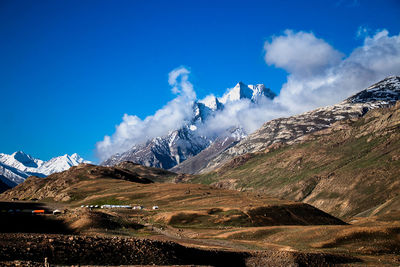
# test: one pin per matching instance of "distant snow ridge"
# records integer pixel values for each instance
(181, 144)
(61, 163)
(15, 168)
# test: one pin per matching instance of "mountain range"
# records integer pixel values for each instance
(181, 144)
(185, 150)
(15, 168)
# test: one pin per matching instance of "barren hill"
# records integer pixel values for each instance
(59, 185)
(154, 174)
(351, 168)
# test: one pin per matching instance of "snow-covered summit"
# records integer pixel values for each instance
(260, 90)
(78, 159)
(205, 108)
(211, 102)
(61, 163)
(20, 161)
(242, 91)
(18, 166)
(238, 92)
(25, 159)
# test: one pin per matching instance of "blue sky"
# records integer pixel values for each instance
(70, 70)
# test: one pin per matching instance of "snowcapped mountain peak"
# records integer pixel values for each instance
(243, 91)
(19, 152)
(260, 90)
(24, 159)
(20, 160)
(211, 102)
(58, 164)
(205, 108)
(238, 92)
(78, 158)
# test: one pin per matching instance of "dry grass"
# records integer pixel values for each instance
(367, 239)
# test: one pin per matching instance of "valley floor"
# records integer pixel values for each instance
(27, 240)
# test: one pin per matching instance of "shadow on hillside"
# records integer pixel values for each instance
(17, 217)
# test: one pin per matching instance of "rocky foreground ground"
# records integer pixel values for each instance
(32, 249)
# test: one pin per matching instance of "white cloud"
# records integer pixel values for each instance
(183, 86)
(301, 53)
(333, 79)
(132, 130)
(244, 113)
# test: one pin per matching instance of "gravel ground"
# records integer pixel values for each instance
(30, 249)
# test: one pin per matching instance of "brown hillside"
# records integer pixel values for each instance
(351, 168)
(59, 186)
(209, 206)
(154, 174)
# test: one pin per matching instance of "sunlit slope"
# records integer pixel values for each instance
(350, 168)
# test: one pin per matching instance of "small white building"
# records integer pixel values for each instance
(116, 206)
(155, 207)
(55, 212)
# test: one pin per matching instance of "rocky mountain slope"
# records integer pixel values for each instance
(220, 144)
(292, 129)
(186, 142)
(348, 169)
(166, 151)
(15, 168)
